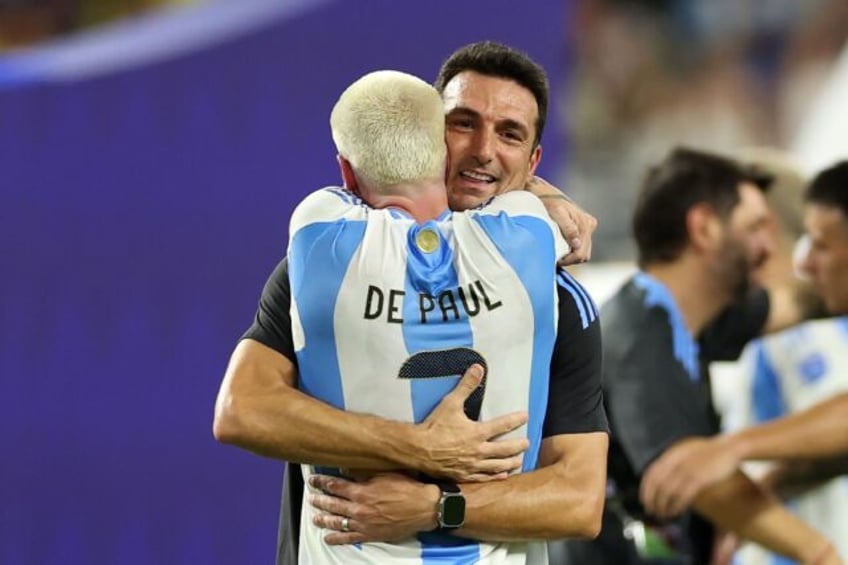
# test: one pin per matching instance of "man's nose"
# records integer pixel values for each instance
(484, 146)
(807, 265)
(768, 247)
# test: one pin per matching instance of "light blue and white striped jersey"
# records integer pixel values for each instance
(382, 305)
(788, 372)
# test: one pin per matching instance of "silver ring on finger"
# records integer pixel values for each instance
(345, 524)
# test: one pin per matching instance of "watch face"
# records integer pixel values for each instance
(453, 510)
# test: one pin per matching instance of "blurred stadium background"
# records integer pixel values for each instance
(150, 152)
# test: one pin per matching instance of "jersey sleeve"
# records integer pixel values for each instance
(522, 204)
(575, 401)
(327, 205)
(767, 399)
(272, 324)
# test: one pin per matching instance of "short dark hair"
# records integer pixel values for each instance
(497, 60)
(684, 179)
(830, 187)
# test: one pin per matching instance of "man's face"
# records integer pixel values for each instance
(490, 130)
(827, 260)
(748, 241)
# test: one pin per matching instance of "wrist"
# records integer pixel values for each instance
(411, 448)
(431, 496)
(821, 556)
(736, 445)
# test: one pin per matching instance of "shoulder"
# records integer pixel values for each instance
(824, 336)
(629, 323)
(628, 307)
(574, 297)
(516, 202)
(519, 211)
(328, 204)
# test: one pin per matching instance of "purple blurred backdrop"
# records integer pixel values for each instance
(141, 208)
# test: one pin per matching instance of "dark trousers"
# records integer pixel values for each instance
(609, 548)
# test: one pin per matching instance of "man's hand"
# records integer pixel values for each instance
(725, 545)
(827, 556)
(576, 225)
(387, 507)
(672, 482)
(454, 447)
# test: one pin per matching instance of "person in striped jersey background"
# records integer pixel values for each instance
(811, 435)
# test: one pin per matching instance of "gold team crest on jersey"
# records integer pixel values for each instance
(427, 240)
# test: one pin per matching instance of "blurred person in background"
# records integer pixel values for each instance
(702, 229)
(27, 22)
(495, 99)
(815, 433)
(716, 74)
(787, 372)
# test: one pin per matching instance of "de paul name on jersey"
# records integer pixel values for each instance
(470, 299)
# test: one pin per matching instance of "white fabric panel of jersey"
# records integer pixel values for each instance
(781, 374)
(385, 311)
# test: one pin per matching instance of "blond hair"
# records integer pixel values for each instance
(391, 127)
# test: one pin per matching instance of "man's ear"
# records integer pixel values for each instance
(535, 158)
(704, 227)
(348, 176)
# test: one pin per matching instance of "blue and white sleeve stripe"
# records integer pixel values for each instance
(347, 196)
(331, 204)
(585, 305)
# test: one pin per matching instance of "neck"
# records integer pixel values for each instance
(424, 200)
(696, 294)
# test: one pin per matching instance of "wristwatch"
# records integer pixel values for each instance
(451, 506)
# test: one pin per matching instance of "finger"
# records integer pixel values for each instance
(677, 502)
(647, 493)
(581, 252)
(504, 448)
(335, 535)
(576, 243)
(659, 497)
(588, 225)
(662, 502)
(332, 485)
(573, 258)
(670, 501)
(669, 498)
(683, 500)
(345, 538)
(496, 427)
(469, 382)
(486, 470)
(586, 251)
(570, 230)
(331, 504)
(648, 489)
(581, 246)
(483, 478)
(330, 521)
(507, 464)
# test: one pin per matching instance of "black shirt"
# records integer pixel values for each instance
(657, 392)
